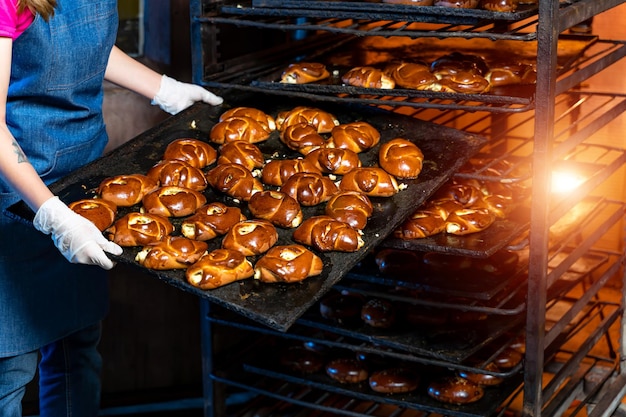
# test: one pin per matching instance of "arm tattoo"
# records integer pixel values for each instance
(21, 157)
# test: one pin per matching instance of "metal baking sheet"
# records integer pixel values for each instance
(279, 305)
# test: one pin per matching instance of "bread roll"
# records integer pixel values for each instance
(238, 128)
(278, 171)
(466, 221)
(178, 173)
(97, 210)
(401, 158)
(251, 237)
(464, 194)
(139, 229)
(347, 370)
(372, 181)
(241, 152)
(487, 378)
(277, 208)
(458, 61)
(171, 201)
(173, 252)
(394, 380)
(323, 121)
(193, 151)
(287, 263)
(301, 359)
(341, 308)
(355, 136)
(327, 234)
(211, 220)
(304, 72)
(334, 160)
(302, 137)
(234, 180)
(455, 390)
(368, 77)
(126, 190)
(505, 6)
(268, 122)
(309, 189)
(413, 76)
(218, 268)
(419, 225)
(462, 82)
(411, 2)
(351, 207)
(378, 313)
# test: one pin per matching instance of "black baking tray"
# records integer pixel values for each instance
(279, 305)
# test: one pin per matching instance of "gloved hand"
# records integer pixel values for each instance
(175, 96)
(78, 239)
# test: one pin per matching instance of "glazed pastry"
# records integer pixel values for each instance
(483, 378)
(458, 61)
(302, 137)
(462, 82)
(173, 172)
(464, 194)
(509, 358)
(251, 237)
(379, 313)
(238, 128)
(139, 229)
(323, 121)
(372, 181)
(218, 268)
(97, 210)
(193, 151)
(442, 207)
(334, 160)
(304, 72)
(351, 207)
(241, 152)
(455, 390)
(368, 77)
(288, 263)
(126, 190)
(411, 75)
(347, 370)
(327, 234)
(309, 189)
(499, 5)
(394, 381)
(458, 4)
(173, 252)
(465, 221)
(278, 171)
(171, 201)
(411, 2)
(355, 136)
(401, 158)
(300, 359)
(277, 208)
(211, 220)
(419, 225)
(268, 122)
(234, 180)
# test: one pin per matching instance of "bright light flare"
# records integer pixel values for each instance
(563, 182)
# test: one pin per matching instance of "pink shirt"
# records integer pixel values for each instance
(13, 24)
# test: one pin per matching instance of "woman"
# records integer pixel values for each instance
(54, 55)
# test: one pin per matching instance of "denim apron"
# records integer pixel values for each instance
(54, 110)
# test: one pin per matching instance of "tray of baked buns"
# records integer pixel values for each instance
(264, 226)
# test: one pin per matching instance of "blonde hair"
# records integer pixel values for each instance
(45, 8)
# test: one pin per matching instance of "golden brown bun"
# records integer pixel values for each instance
(97, 210)
(234, 180)
(139, 229)
(441, 208)
(289, 263)
(455, 390)
(499, 5)
(462, 82)
(465, 194)
(178, 173)
(218, 268)
(304, 72)
(401, 158)
(466, 221)
(302, 137)
(411, 2)
(509, 358)
(251, 237)
(278, 171)
(368, 77)
(458, 61)
(347, 370)
(238, 128)
(483, 378)
(259, 115)
(379, 313)
(372, 181)
(173, 252)
(322, 120)
(193, 151)
(458, 4)
(309, 189)
(126, 190)
(414, 76)
(171, 201)
(355, 136)
(394, 381)
(420, 225)
(242, 153)
(334, 160)
(300, 359)
(351, 207)
(211, 220)
(277, 208)
(327, 234)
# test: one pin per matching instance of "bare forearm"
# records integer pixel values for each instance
(131, 74)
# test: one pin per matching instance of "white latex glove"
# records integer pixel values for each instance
(78, 239)
(175, 96)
